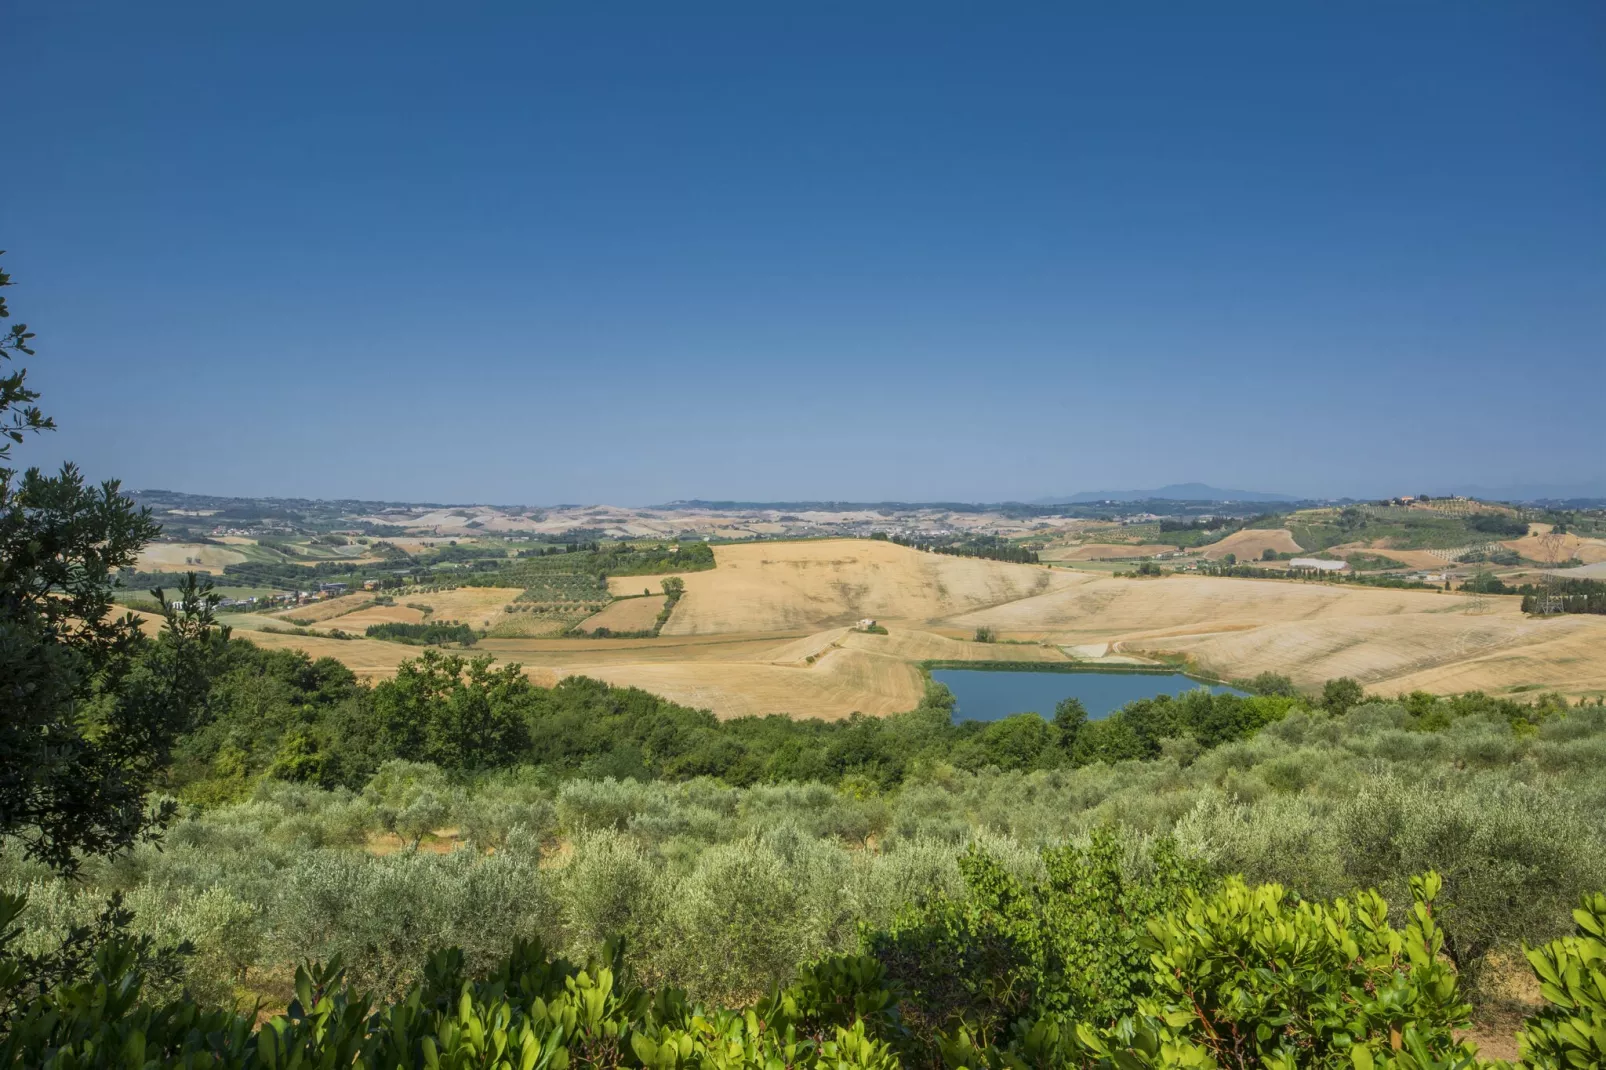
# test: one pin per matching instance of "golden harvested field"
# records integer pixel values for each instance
(370, 659)
(1411, 558)
(360, 620)
(478, 607)
(1569, 546)
(873, 674)
(626, 615)
(187, 557)
(1250, 544)
(326, 610)
(809, 586)
(619, 586)
(741, 640)
(1103, 551)
(1107, 608)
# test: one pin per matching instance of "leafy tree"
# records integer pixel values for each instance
(1272, 683)
(1069, 717)
(458, 714)
(1024, 741)
(1340, 694)
(984, 634)
(92, 705)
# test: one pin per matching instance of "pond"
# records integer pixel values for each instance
(990, 694)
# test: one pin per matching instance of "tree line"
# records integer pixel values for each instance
(991, 547)
(435, 633)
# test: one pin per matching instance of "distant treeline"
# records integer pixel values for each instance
(621, 559)
(141, 582)
(288, 577)
(599, 562)
(1565, 596)
(566, 548)
(281, 713)
(992, 547)
(1214, 523)
(423, 634)
(1254, 572)
(1013, 510)
(1505, 527)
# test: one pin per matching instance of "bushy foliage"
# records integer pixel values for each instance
(1237, 977)
(432, 634)
(1571, 1032)
(1004, 949)
(1509, 813)
(92, 704)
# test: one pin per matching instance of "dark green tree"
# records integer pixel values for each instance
(91, 704)
(457, 714)
(1272, 683)
(1069, 717)
(1340, 694)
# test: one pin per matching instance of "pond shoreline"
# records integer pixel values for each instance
(930, 664)
(993, 690)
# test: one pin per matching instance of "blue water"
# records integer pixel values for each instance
(988, 694)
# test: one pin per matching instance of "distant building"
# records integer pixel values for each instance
(1320, 564)
(331, 589)
(867, 622)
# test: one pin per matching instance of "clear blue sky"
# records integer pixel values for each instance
(628, 253)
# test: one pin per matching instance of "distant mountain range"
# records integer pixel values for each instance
(1174, 492)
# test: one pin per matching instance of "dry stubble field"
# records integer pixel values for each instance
(769, 630)
(626, 615)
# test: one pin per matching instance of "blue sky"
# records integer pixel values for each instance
(629, 253)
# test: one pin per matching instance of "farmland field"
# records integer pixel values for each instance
(769, 629)
(478, 607)
(1251, 543)
(187, 557)
(1100, 551)
(626, 615)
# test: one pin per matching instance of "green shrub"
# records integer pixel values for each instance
(434, 634)
(1571, 1032)
(1006, 950)
(1234, 977)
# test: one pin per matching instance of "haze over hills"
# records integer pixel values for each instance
(1175, 492)
(1534, 492)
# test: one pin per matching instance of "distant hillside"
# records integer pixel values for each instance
(1175, 492)
(1535, 492)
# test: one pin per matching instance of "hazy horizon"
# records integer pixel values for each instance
(908, 253)
(1271, 499)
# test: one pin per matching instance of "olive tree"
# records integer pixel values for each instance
(92, 705)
